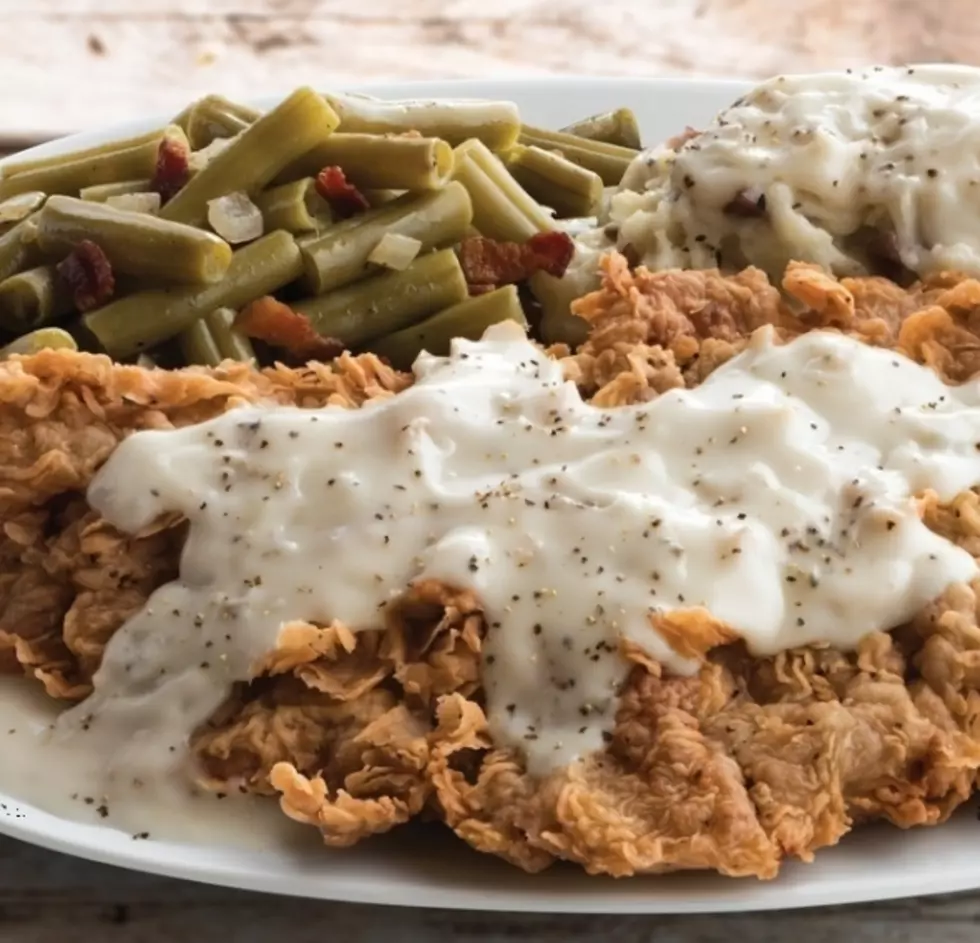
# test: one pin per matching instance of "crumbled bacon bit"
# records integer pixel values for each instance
(88, 273)
(748, 204)
(173, 168)
(679, 140)
(344, 198)
(487, 263)
(269, 320)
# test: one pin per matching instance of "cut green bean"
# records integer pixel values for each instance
(18, 247)
(33, 299)
(559, 139)
(47, 337)
(295, 207)
(381, 197)
(183, 117)
(494, 215)
(138, 244)
(396, 162)
(14, 168)
(74, 172)
(556, 295)
(198, 346)
(496, 123)
(140, 321)
(468, 319)
(386, 303)
(256, 156)
(494, 168)
(232, 343)
(16, 208)
(618, 127)
(215, 117)
(571, 191)
(607, 160)
(339, 255)
(103, 191)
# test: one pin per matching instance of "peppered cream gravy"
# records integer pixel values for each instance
(778, 495)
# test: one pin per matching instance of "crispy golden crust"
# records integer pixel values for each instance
(751, 761)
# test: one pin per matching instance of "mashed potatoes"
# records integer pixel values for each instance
(873, 171)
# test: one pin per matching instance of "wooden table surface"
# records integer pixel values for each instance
(70, 64)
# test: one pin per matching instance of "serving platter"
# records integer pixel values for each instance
(425, 865)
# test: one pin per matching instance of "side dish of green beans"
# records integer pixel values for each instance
(253, 209)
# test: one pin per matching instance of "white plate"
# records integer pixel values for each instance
(423, 866)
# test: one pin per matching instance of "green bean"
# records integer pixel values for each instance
(183, 117)
(496, 123)
(295, 207)
(571, 191)
(494, 168)
(215, 117)
(611, 127)
(198, 346)
(608, 160)
(339, 255)
(377, 306)
(379, 162)
(555, 295)
(137, 322)
(493, 214)
(19, 248)
(16, 208)
(254, 158)
(381, 197)
(232, 343)
(71, 173)
(102, 191)
(138, 244)
(15, 168)
(467, 319)
(559, 139)
(33, 298)
(47, 337)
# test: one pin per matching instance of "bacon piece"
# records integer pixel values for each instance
(173, 168)
(269, 320)
(679, 140)
(88, 273)
(487, 262)
(747, 204)
(344, 198)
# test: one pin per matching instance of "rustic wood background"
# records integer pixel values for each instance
(71, 64)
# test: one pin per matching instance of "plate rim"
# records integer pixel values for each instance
(411, 88)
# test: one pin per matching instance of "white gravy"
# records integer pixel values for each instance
(777, 495)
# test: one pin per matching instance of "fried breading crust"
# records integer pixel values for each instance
(750, 762)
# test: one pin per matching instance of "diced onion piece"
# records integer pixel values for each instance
(18, 207)
(136, 202)
(577, 226)
(395, 251)
(235, 218)
(200, 159)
